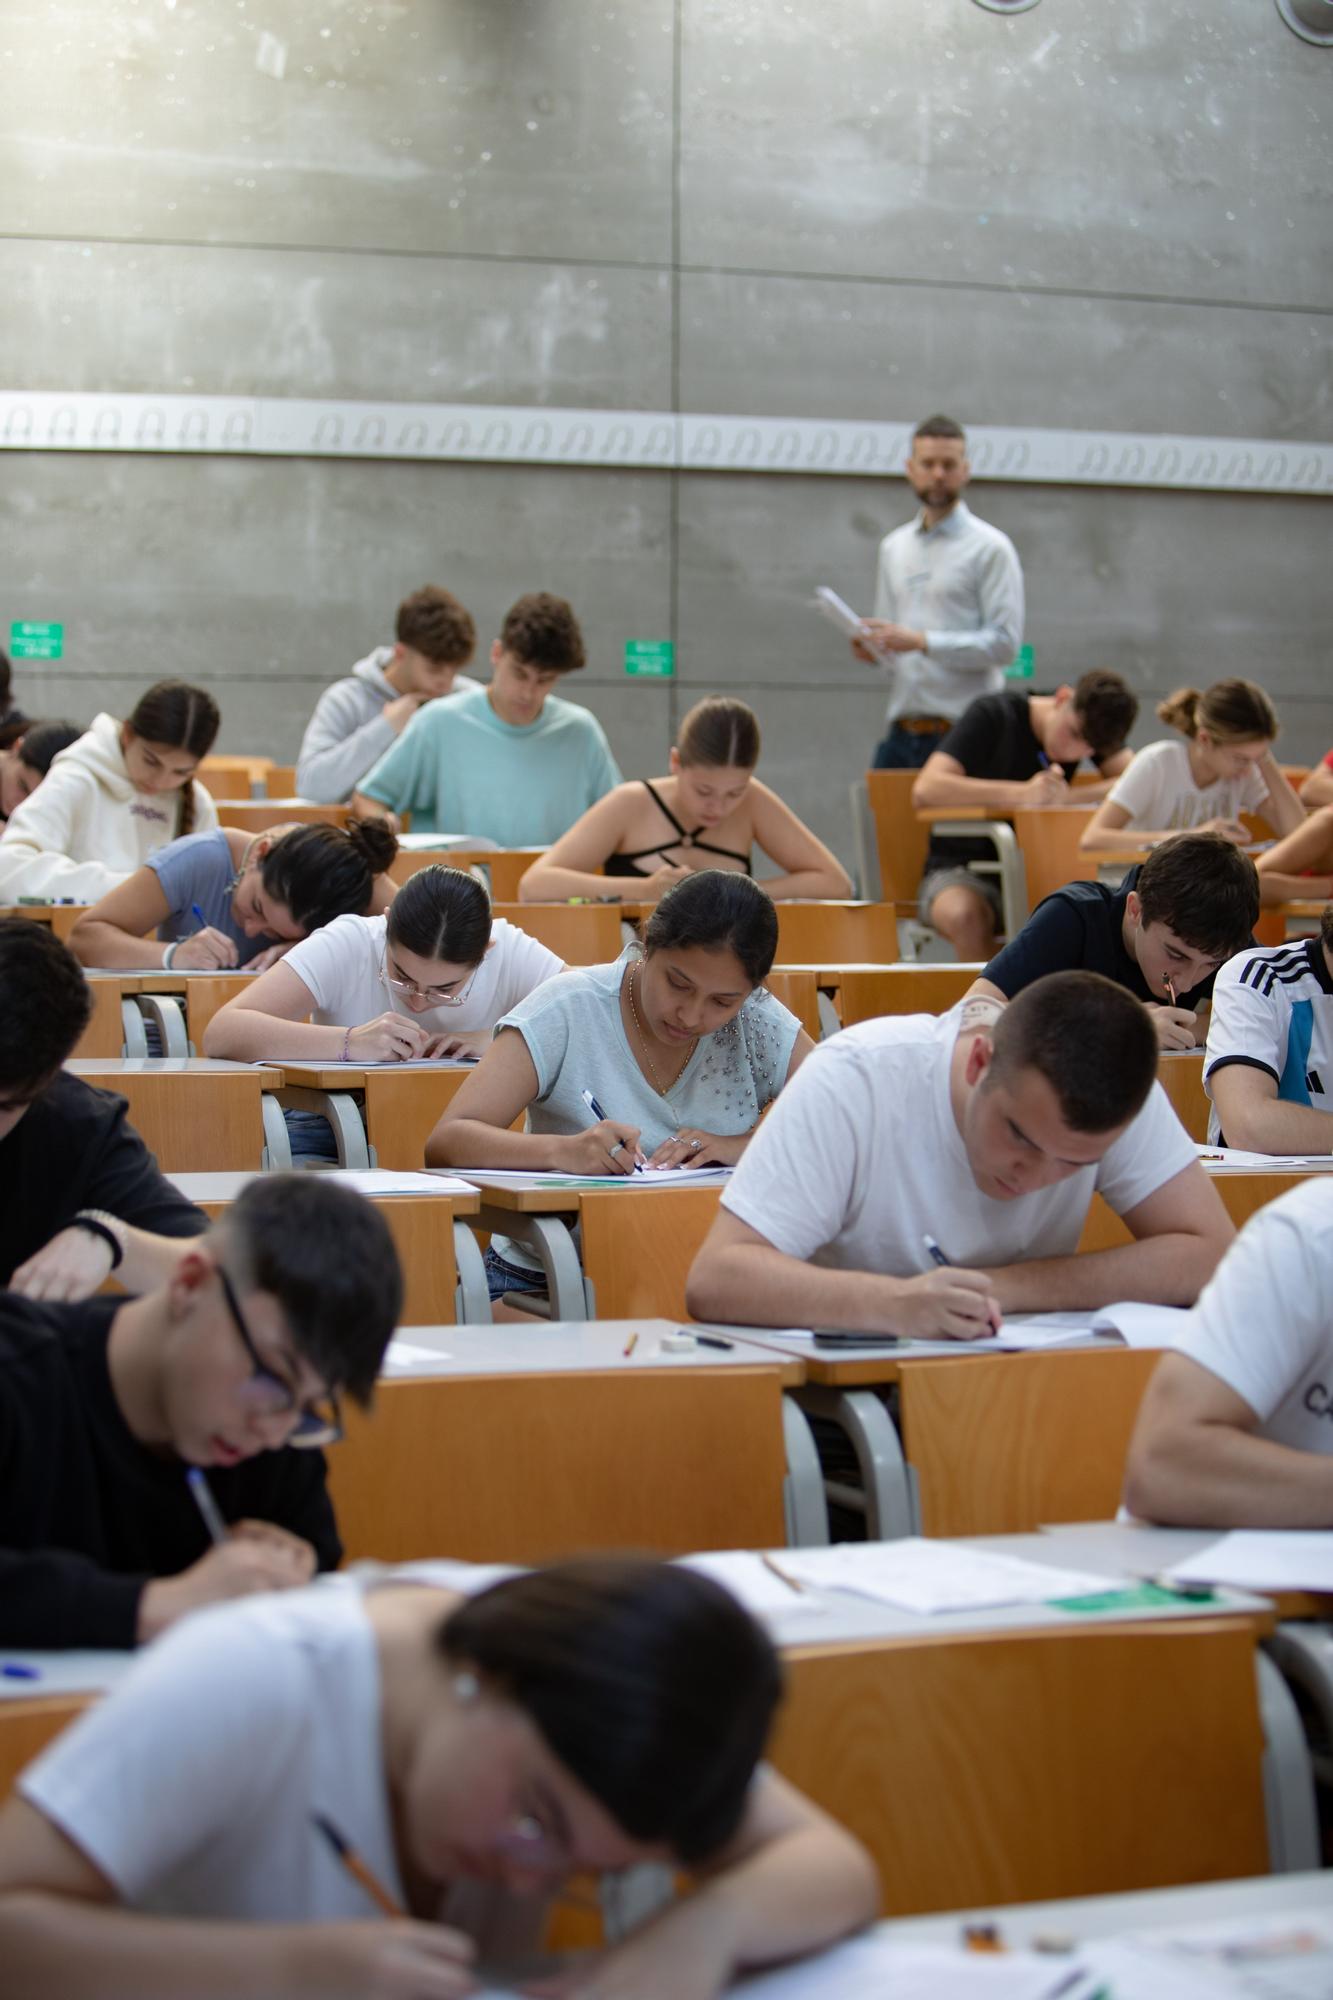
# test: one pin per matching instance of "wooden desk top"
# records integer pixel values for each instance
(565, 1347)
(550, 1198)
(1143, 1550)
(109, 1068)
(313, 1075)
(864, 1366)
(375, 1183)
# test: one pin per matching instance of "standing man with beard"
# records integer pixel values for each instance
(948, 603)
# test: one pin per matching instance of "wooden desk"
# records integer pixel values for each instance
(523, 1444)
(1243, 1195)
(192, 1114)
(200, 995)
(864, 992)
(965, 1442)
(32, 1713)
(997, 1758)
(580, 933)
(223, 775)
(504, 866)
(1283, 920)
(401, 1105)
(104, 1035)
(58, 917)
(258, 815)
(436, 1249)
(1180, 1073)
(638, 1242)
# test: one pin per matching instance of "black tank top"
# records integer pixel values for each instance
(624, 864)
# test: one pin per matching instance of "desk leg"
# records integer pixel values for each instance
(277, 1156)
(472, 1300)
(133, 1024)
(803, 1501)
(551, 1240)
(165, 1012)
(865, 845)
(888, 1494)
(340, 1108)
(1289, 1794)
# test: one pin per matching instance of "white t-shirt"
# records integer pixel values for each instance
(341, 964)
(1158, 790)
(1264, 1322)
(191, 1786)
(1273, 1010)
(861, 1157)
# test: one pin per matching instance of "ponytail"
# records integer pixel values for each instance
(1233, 711)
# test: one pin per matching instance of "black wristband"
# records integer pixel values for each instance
(90, 1220)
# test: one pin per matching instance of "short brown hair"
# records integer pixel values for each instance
(433, 622)
(542, 631)
(1092, 1041)
(1232, 711)
(1106, 708)
(1204, 889)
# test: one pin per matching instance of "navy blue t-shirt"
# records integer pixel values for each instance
(1081, 929)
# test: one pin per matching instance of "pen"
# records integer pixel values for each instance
(357, 1869)
(937, 1256)
(598, 1112)
(202, 1494)
(199, 916)
(630, 1345)
(711, 1340)
(792, 1583)
(1043, 760)
(12, 1671)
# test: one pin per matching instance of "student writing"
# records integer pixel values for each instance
(709, 811)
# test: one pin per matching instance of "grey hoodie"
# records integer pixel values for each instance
(347, 732)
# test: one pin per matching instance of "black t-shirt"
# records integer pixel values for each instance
(1081, 929)
(88, 1515)
(73, 1149)
(992, 738)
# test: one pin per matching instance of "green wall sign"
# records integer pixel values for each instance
(30, 641)
(1022, 668)
(655, 658)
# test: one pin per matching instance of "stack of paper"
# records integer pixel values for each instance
(1274, 1559)
(1136, 1324)
(1231, 1160)
(928, 1576)
(761, 1590)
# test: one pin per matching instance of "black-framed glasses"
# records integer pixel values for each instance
(318, 1422)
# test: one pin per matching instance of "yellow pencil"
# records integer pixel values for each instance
(631, 1344)
(357, 1869)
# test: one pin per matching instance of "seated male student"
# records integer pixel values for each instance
(235, 1360)
(357, 719)
(1236, 1427)
(511, 762)
(906, 1129)
(1009, 752)
(1268, 1062)
(1162, 934)
(81, 1192)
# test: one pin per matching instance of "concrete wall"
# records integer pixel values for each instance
(1084, 216)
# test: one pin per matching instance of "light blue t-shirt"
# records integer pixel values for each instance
(198, 868)
(576, 1038)
(457, 768)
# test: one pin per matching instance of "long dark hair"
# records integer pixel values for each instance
(717, 907)
(179, 717)
(321, 873)
(648, 1682)
(441, 913)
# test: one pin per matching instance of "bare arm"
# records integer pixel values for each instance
(1195, 1461)
(1180, 1233)
(573, 865)
(1318, 787)
(1256, 1119)
(1282, 809)
(1299, 866)
(364, 807)
(474, 1130)
(808, 867)
(944, 783)
(270, 1019)
(740, 1277)
(115, 931)
(75, 1263)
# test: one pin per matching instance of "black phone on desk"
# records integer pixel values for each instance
(842, 1337)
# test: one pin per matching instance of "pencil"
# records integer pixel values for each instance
(791, 1582)
(387, 1904)
(631, 1344)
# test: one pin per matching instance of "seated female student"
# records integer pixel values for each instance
(27, 761)
(675, 1043)
(430, 977)
(120, 792)
(250, 889)
(468, 1754)
(708, 812)
(1224, 767)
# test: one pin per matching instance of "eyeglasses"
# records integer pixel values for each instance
(434, 996)
(528, 1840)
(319, 1422)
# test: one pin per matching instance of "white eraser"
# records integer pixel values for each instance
(676, 1343)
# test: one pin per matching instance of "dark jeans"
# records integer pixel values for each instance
(906, 749)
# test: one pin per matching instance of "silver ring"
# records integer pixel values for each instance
(619, 1147)
(695, 1145)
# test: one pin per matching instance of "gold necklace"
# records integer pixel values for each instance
(658, 1085)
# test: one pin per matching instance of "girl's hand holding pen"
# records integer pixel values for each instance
(206, 950)
(399, 1959)
(608, 1147)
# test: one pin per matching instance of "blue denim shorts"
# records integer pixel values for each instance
(502, 1277)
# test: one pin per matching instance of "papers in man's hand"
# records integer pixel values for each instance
(839, 612)
(1232, 1160)
(1137, 1325)
(1272, 1559)
(928, 1577)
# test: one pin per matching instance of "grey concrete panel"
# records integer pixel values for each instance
(264, 580)
(123, 317)
(816, 347)
(1179, 150)
(509, 128)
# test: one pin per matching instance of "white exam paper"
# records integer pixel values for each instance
(927, 1577)
(1264, 1559)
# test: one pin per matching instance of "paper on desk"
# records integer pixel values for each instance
(402, 1357)
(1286, 1956)
(928, 1576)
(1232, 1160)
(874, 1968)
(763, 1594)
(388, 1180)
(645, 1177)
(1269, 1559)
(1137, 1325)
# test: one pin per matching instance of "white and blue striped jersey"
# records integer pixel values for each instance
(1273, 1009)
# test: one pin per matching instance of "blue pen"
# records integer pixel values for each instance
(937, 1256)
(598, 1112)
(12, 1671)
(199, 916)
(197, 1481)
(1043, 760)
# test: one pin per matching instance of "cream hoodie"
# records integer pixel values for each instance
(86, 828)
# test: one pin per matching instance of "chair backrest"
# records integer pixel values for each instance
(900, 989)
(798, 991)
(230, 777)
(1048, 841)
(582, 933)
(900, 837)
